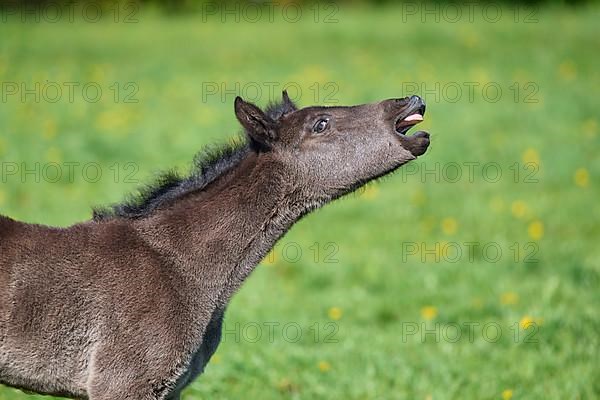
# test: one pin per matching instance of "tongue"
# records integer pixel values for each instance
(414, 117)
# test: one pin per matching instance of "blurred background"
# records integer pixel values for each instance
(472, 273)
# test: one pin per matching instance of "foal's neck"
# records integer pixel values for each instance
(218, 235)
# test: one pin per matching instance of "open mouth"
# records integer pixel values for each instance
(414, 117)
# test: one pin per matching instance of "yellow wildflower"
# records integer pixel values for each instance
(509, 298)
(536, 230)
(526, 322)
(335, 313)
(429, 312)
(49, 129)
(286, 385)
(519, 208)
(324, 366)
(449, 226)
(582, 177)
(531, 156)
(370, 192)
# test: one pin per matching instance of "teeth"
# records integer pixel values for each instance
(414, 117)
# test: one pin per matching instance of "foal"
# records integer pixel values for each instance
(129, 305)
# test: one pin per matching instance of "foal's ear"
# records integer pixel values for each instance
(288, 104)
(260, 127)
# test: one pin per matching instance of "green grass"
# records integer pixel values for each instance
(364, 305)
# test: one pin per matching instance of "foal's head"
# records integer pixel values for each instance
(334, 150)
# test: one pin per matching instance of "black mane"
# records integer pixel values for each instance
(279, 109)
(209, 164)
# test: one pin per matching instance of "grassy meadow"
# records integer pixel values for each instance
(473, 273)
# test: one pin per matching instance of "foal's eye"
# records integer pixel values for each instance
(321, 125)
